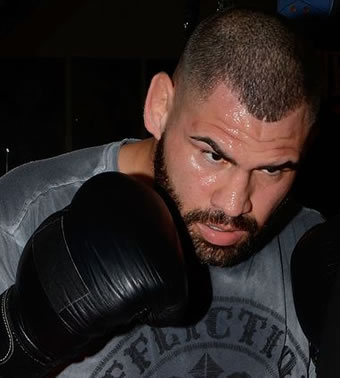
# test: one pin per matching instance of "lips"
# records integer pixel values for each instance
(219, 235)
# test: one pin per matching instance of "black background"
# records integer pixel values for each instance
(74, 74)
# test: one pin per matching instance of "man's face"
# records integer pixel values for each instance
(227, 172)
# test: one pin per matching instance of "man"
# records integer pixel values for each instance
(228, 133)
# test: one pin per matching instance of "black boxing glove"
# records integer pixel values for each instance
(111, 258)
(316, 288)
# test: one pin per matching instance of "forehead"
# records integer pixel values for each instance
(223, 114)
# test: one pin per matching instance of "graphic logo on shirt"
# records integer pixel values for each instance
(238, 338)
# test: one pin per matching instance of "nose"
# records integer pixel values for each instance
(233, 196)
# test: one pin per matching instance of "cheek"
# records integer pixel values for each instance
(191, 182)
(266, 199)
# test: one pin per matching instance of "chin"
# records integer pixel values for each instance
(227, 256)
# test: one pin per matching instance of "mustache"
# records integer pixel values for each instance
(218, 217)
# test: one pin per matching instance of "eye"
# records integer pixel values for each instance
(272, 171)
(213, 156)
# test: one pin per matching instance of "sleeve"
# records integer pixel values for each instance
(311, 371)
(9, 257)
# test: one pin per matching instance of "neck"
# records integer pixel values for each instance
(136, 159)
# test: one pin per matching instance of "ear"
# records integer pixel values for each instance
(158, 104)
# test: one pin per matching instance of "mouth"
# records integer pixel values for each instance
(220, 235)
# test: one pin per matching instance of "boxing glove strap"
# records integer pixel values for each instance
(18, 357)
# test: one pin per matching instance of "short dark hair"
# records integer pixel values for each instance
(259, 56)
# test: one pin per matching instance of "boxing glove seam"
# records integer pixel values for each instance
(22, 346)
(8, 329)
(70, 254)
(60, 222)
(70, 304)
(14, 337)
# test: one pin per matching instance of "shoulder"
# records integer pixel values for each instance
(304, 219)
(32, 191)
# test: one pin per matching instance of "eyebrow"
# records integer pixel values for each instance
(291, 165)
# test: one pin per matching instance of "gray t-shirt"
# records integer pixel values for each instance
(250, 329)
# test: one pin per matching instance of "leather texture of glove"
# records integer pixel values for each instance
(112, 257)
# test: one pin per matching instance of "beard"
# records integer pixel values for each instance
(223, 256)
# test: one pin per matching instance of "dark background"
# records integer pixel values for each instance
(74, 74)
